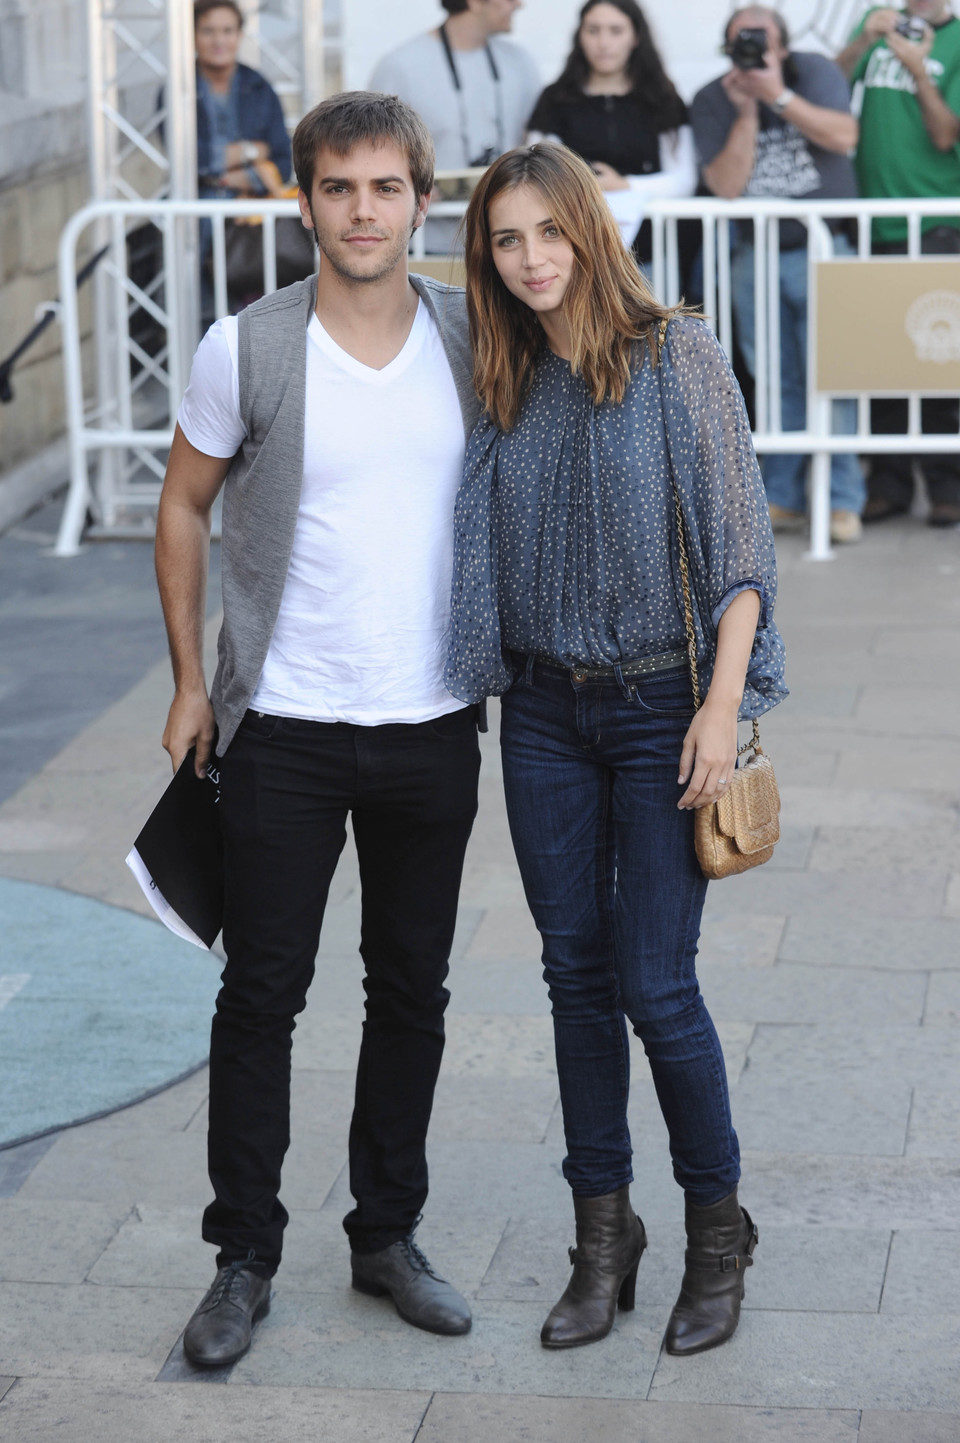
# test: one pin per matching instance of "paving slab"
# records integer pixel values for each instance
(921, 767)
(468, 1418)
(861, 939)
(934, 1129)
(111, 1334)
(837, 894)
(824, 1360)
(858, 1192)
(795, 993)
(866, 807)
(43, 1409)
(351, 1341)
(53, 1242)
(923, 1273)
(909, 849)
(119, 1166)
(494, 985)
(914, 1427)
(750, 937)
(942, 1007)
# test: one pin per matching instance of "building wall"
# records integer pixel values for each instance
(43, 180)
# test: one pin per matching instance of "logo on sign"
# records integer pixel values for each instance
(933, 325)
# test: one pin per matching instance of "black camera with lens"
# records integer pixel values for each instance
(748, 49)
(911, 28)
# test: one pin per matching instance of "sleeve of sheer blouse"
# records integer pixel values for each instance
(712, 453)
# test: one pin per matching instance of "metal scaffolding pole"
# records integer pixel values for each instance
(142, 141)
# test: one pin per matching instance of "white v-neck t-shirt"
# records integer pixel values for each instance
(362, 628)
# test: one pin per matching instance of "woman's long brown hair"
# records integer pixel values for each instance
(608, 305)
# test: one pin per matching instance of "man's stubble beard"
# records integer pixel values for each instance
(390, 263)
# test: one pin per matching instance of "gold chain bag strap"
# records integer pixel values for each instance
(741, 828)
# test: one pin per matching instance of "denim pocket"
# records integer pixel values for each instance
(260, 724)
(667, 693)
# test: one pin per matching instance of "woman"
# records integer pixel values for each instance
(616, 107)
(568, 600)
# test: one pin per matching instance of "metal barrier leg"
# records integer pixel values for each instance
(75, 510)
(820, 549)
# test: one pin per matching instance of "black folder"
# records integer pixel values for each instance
(178, 856)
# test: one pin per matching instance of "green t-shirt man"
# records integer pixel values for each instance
(896, 156)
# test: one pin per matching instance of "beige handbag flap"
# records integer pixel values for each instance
(749, 812)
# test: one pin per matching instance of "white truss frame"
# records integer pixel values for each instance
(142, 142)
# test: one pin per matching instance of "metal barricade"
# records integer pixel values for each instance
(758, 224)
(129, 435)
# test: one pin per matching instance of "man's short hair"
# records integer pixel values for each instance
(455, 7)
(775, 16)
(203, 7)
(359, 117)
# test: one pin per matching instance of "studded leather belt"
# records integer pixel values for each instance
(645, 666)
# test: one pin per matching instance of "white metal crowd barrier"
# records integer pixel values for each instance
(762, 217)
(128, 436)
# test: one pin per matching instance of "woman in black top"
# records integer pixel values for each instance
(616, 107)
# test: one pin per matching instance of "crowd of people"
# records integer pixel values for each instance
(777, 123)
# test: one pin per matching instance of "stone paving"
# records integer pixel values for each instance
(834, 977)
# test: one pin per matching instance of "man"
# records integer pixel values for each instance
(778, 124)
(909, 134)
(239, 117)
(474, 90)
(335, 413)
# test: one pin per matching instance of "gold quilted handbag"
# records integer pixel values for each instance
(741, 828)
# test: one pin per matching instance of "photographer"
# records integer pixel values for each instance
(473, 89)
(908, 65)
(778, 124)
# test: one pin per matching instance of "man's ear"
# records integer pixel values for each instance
(423, 205)
(306, 219)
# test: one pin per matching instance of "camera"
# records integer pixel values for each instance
(911, 28)
(748, 49)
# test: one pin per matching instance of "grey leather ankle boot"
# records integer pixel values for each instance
(610, 1243)
(720, 1243)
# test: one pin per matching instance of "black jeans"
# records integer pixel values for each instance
(286, 789)
(891, 477)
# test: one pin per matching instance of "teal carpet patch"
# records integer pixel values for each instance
(98, 1008)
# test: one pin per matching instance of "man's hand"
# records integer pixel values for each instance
(912, 53)
(742, 99)
(880, 22)
(189, 723)
(764, 84)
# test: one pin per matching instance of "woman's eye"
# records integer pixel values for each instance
(506, 240)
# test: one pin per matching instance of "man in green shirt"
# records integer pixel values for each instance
(910, 147)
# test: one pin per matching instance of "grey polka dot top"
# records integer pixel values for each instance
(565, 531)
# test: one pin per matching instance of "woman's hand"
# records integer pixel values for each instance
(709, 754)
(609, 178)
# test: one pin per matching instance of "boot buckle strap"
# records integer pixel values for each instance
(732, 1263)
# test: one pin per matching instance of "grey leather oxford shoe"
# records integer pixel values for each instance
(219, 1331)
(420, 1295)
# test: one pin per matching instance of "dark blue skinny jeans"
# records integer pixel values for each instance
(610, 874)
